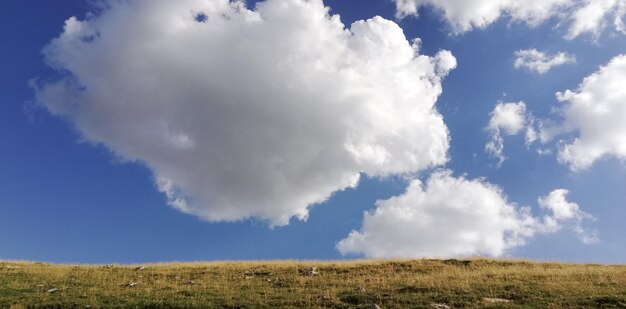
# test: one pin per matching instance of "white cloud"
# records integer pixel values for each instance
(447, 216)
(464, 15)
(592, 17)
(451, 217)
(580, 16)
(508, 119)
(596, 112)
(540, 62)
(564, 213)
(249, 113)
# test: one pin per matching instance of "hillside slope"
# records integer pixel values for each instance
(358, 284)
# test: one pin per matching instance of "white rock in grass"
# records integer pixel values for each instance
(312, 271)
(496, 300)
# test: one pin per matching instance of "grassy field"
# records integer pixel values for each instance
(361, 284)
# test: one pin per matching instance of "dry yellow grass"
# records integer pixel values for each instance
(474, 283)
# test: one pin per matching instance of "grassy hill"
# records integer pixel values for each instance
(360, 284)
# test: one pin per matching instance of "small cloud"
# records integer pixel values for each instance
(452, 217)
(578, 16)
(540, 62)
(464, 16)
(508, 119)
(544, 152)
(565, 214)
(446, 216)
(594, 16)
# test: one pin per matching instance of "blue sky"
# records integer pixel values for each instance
(75, 189)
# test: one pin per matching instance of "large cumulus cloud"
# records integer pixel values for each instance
(249, 113)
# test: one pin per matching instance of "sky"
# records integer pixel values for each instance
(136, 131)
